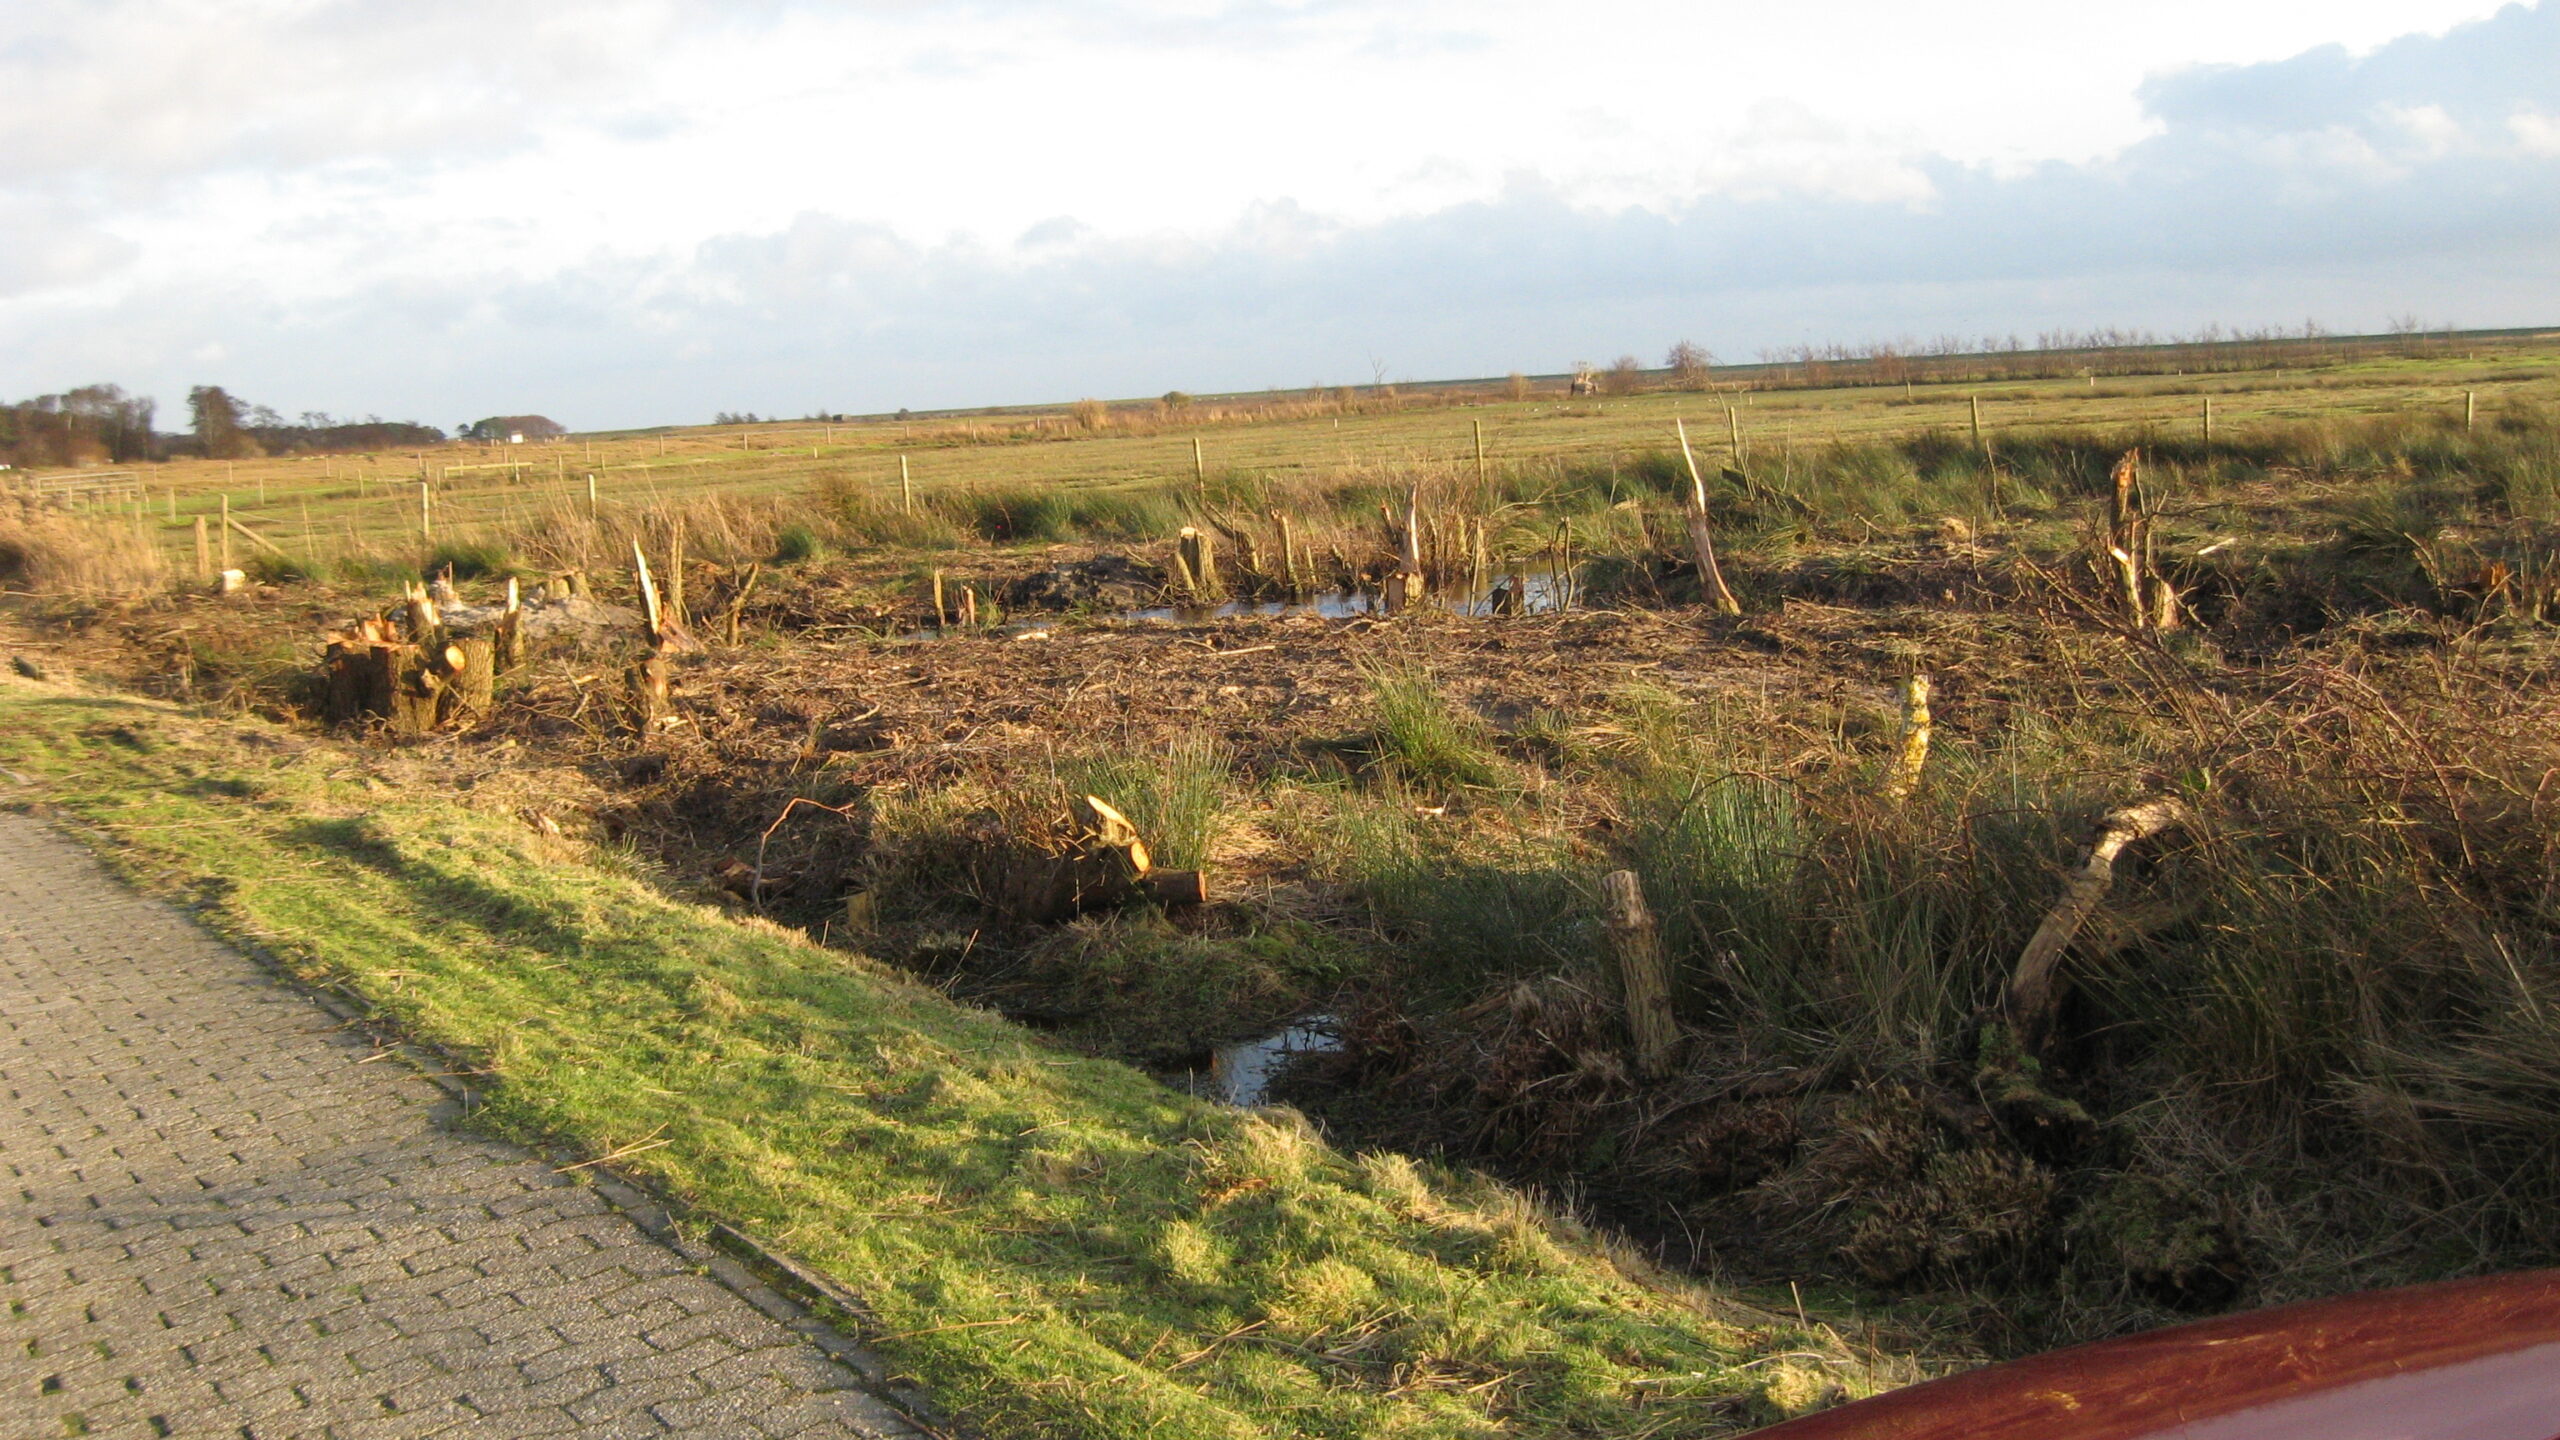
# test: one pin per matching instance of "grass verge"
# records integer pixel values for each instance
(1052, 1245)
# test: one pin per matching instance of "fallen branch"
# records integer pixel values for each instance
(2032, 998)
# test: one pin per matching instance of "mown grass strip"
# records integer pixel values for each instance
(1052, 1245)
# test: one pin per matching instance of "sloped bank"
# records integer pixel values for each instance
(1052, 1245)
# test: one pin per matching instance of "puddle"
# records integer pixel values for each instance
(1240, 1074)
(1541, 593)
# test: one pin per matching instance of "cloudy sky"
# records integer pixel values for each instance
(625, 212)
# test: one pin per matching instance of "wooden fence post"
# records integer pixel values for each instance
(226, 532)
(906, 488)
(204, 551)
(1645, 980)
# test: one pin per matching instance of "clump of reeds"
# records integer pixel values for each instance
(49, 551)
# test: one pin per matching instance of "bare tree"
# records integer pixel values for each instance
(1688, 365)
(1625, 377)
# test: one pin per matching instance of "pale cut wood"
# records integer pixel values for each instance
(1635, 941)
(2033, 998)
(1914, 755)
(1702, 534)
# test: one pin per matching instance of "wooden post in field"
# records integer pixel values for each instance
(906, 488)
(2470, 410)
(1288, 553)
(2208, 419)
(1733, 432)
(1479, 453)
(173, 504)
(1635, 942)
(1975, 402)
(1702, 535)
(204, 551)
(226, 532)
(1199, 469)
(426, 512)
(591, 495)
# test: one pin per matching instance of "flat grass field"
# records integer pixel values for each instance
(321, 507)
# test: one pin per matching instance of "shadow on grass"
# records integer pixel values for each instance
(457, 898)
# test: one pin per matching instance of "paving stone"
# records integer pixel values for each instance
(230, 1223)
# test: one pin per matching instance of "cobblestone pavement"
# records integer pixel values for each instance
(228, 1220)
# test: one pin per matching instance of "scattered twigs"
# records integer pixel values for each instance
(755, 885)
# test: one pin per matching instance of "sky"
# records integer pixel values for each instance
(632, 212)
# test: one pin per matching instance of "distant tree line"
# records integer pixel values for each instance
(101, 424)
(93, 424)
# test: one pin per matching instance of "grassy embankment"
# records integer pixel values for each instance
(1053, 1245)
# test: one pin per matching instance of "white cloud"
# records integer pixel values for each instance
(661, 208)
(2537, 132)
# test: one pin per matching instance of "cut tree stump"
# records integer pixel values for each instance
(1636, 943)
(1109, 866)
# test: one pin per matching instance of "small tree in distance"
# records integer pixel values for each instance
(1625, 377)
(1688, 365)
(1517, 387)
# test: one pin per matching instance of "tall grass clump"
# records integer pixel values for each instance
(868, 515)
(1179, 797)
(49, 551)
(1424, 741)
(469, 559)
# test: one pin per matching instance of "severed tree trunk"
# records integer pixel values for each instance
(1702, 538)
(1636, 942)
(1914, 755)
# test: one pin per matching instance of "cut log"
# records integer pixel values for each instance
(2034, 998)
(1175, 889)
(1636, 944)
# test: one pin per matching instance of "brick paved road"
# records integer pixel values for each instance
(224, 1222)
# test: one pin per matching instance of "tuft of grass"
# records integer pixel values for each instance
(1430, 745)
(1179, 800)
(470, 559)
(1055, 1246)
(797, 541)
